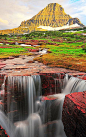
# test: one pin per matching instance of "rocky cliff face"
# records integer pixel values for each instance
(52, 15)
(72, 21)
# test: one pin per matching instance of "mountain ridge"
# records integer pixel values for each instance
(52, 15)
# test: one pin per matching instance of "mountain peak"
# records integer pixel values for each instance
(54, 6)
(52, 15)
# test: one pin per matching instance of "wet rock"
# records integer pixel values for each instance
(2, 66)
(3, 132)
(18, 66)
(77, 74)
(74, 114)
(11, 57)
(83, 77)
(2, 63)
(51, 82)
(31, 61)
(33, 50)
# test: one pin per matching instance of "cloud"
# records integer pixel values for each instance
(12, 13)
(79, 10)
(3, 21)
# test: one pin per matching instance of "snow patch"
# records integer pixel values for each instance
(59, 28)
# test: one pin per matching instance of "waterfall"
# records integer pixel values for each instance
(22, 93)
(25, 114)
(74, 85)
(6, 124)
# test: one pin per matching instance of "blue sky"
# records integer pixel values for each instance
(13, 12)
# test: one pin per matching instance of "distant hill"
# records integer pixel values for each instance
(52, 15)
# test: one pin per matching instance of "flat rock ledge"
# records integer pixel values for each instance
(74, 114)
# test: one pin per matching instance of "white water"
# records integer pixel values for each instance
(75, 85)
(44, 51)
(27, 115)
(25, 45)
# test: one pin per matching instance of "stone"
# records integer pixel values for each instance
(11, 57)
(77, 74)
(2, 66)
(83, 77)
(33, 50)
(30, 61)
(3, 132)
(74, 114)
(50, 82)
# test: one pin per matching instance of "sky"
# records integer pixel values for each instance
(13, 12)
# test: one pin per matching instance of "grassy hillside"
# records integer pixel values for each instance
(65, 49)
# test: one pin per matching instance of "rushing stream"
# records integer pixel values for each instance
(24, 112)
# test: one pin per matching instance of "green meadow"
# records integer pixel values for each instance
(65, 49)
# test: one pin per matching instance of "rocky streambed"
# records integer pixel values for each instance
(25, 65)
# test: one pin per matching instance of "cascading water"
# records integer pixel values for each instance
(21, 96)
(26, 114)
(75, 85)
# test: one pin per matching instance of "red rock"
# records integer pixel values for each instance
(83, 77)
(2, 66)
(74, 114)
(77, 74)
(29, 50)
(47, 98)
(33, 50)
(3, 132)
(31, 61)
(50, 83)
(1, 103)
(11, 57)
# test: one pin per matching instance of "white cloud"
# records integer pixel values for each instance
(3, 21)
(83, 10)
(13, 13)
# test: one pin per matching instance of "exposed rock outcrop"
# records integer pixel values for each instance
(74, 21)
(74, 114)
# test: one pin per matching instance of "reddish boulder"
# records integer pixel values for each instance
(30, 61)
(11, 57)
(2, 66)
(83, 77)
(33, 50)
(48, 98)
(74, 114)
(51, 83)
